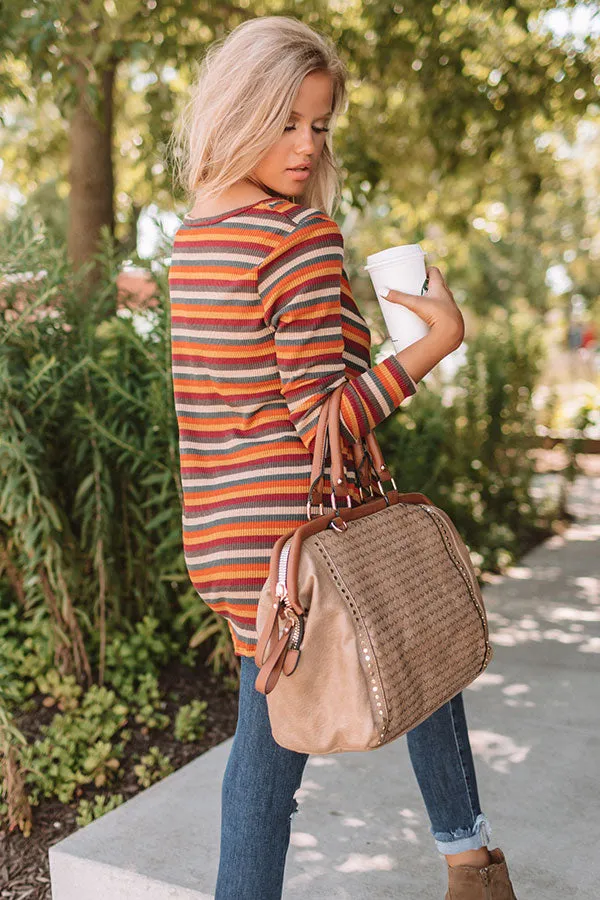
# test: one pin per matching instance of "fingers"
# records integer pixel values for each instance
(434, 276)
(393, 295)
(438, 276)
(435, 272)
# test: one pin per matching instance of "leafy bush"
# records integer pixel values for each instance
(90, 511)
(153, 766)
(81, 746)
(467, 447)
(88, 810)
(189, 721)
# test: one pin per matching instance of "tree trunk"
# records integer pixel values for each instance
(91, 202)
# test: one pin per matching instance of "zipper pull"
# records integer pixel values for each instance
(281, 590)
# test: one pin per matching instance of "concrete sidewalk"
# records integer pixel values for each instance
(361, 830)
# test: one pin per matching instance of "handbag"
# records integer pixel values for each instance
(371, 617)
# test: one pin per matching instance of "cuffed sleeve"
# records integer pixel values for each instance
(299, 285)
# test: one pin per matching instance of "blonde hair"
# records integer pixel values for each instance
(240, 104)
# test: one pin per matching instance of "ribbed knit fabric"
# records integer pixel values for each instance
(263, 327)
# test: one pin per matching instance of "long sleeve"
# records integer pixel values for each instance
(299, 285)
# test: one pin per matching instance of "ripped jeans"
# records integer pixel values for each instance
(261, 778)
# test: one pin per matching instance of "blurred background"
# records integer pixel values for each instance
(474, 130)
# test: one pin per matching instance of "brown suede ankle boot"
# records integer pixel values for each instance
(481, 882)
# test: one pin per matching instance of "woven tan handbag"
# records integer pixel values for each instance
(371, 617)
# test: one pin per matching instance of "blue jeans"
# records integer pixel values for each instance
(261, 778)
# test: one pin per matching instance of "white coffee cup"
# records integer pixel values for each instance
(401, 268)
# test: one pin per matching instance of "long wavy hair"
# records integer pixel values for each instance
(240, 103)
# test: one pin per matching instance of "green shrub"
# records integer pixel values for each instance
(88, 810)
(466, 447)
(189, 721)
(90, 497)
(153, 766)
(81, 746)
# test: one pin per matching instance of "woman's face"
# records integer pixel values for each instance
(303, 140)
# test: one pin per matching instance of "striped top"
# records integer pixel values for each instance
(263, 327)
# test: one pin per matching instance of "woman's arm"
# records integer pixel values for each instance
(299, 283)
(423, 355)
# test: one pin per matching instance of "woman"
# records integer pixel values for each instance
(264, 326)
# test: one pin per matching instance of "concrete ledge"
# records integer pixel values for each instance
(163, 843)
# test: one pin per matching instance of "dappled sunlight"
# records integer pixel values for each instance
(408, 833)
(307, 788)
(528, 630)
(486, 678)
(317, 860)
(570, 623)
(541, 573)
(361, 862)
(589, 588)
(563, 613)
(303, 839)
(499, 751)
(309, 856)
(410, 836)
(582, 532)
(513, 694)
(322, 761)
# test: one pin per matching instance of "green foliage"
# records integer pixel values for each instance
(588, 418)
(88, 810)
(62, 690)
(135, 652)
(90, 497)
(147, 700)
(86, 743)
(460, 94)
(189, 721)
(466, 447)
(153, 766)
(81, 746)
(27, 653)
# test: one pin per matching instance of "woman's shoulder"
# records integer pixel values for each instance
(303, 214)
(299, 223)
(299, 237)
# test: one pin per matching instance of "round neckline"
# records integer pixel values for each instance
(225, 215)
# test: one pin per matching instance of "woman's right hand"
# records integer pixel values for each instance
(436, 307)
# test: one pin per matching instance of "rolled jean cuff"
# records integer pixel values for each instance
(464, 838)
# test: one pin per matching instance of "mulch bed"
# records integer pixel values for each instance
(24, 869)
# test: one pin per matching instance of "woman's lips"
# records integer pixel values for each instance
(299, 174)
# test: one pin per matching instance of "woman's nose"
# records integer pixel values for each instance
(306, 141)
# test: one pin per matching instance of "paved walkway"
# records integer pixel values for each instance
(361, 830)
(535, 732)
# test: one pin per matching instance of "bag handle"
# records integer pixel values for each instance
(328, 442)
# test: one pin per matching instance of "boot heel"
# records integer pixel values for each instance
(481, 882)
